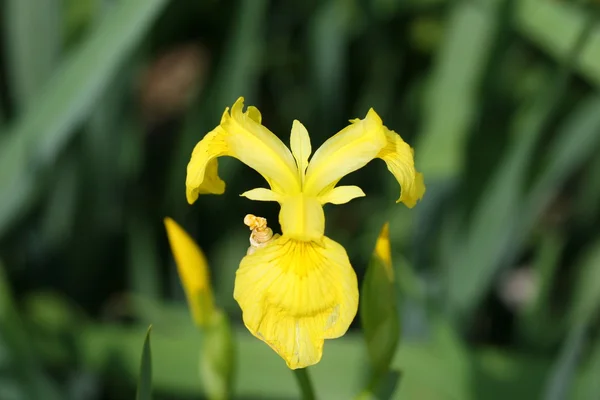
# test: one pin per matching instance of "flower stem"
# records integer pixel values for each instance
(306, 387)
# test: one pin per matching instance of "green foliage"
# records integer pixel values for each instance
(144, 390)
(217, 358)
(40, 133)
(379, 316)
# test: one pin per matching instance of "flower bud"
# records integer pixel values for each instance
(217, 358)
(379, 308)
(193, 272)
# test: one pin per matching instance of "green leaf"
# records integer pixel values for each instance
(37, 137)
(144, 390)
(586, 293)
(555, 26)
(562, 373)
(25, 364)
(385, 389)
(577, 142)
(504, 216)
(588, 386)
(217, 358)
(78, 13)
(33, 43)
(535, 322)
(452, 94)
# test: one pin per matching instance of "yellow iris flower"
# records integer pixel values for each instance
(300, 288)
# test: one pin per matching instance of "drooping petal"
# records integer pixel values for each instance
(398, 156)
(295, 294)
(341, 195)
(350, 149)
(193, 272)
(300, 144)
(241, 135)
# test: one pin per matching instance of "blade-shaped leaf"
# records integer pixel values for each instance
(562, 374)
(144, 390)
(35, 138)
(33, 43)
(453, 92)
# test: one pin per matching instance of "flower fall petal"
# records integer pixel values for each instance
(295, 294)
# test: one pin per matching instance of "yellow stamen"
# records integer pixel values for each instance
(261, 234)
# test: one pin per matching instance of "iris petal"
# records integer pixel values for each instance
(241, 135)
(399, 158)
(295, 294)
(348, 150)
(300, 144)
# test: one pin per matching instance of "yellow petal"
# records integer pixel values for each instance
(241, 135)
(296, 294)
(212, 184)
(302, 217)
(383, 250)
(261, 194)
(300, 144)
(350, 149)
(341, 195)
(398, 156)
(193, 272)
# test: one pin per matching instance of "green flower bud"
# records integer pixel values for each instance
(217, 358)
(379, 308)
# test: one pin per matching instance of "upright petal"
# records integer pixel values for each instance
(241, 135)
(193, 272)
(350, 149)
(295, 294)
(398, 156)
(300, 144)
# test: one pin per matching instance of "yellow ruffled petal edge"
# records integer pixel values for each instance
(399, 158)
(193, 272)
(241, 135)
(295, 294)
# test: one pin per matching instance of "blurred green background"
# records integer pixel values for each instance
(102, 101)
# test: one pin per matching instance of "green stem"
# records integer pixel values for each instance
(306, 387)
